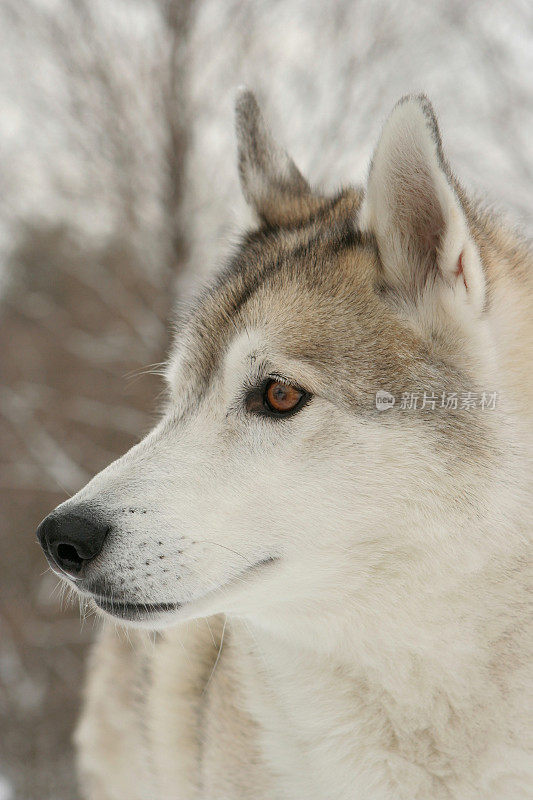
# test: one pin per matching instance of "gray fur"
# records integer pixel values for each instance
(267, 172)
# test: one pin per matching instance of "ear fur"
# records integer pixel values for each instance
(412, 209)
(270, 180)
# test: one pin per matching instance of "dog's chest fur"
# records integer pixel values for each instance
(308, 727)
(257, 718)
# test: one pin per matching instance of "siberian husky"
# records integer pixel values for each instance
(320, 551)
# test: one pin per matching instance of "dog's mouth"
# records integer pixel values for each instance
(133, 611)
(139, 612)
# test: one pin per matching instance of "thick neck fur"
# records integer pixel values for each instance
(416, 671)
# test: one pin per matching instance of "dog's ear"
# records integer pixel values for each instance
(270, 180)
(414, 212)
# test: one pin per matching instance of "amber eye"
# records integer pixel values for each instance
(276, 398)
(282, 398)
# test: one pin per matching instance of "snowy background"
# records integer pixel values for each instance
(117, 192)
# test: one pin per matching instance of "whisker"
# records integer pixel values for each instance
(225, 547)
(210, 632)
(217, 658)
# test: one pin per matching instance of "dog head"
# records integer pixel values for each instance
(273, 479)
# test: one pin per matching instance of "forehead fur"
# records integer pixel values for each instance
(313, 289)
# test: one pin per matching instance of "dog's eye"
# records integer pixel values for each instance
(282, 397)
(276, 398)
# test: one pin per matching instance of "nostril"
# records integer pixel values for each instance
(71, 540)
(69, 557)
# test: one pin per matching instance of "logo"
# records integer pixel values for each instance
(384, 400)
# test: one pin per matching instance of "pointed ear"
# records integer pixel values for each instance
(412, 209)
(270, 180)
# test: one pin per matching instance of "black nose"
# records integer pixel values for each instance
(71, 540)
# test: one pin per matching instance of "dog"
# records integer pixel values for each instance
(319, 554)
